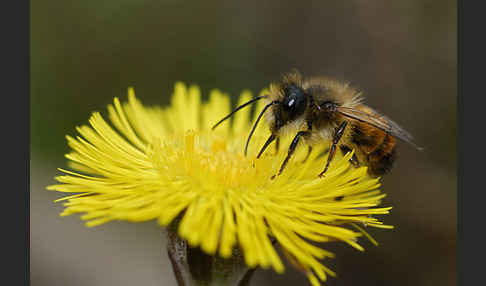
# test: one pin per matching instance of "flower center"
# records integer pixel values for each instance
(211, 163)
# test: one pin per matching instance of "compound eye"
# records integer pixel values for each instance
(299, 103)
(295, 102)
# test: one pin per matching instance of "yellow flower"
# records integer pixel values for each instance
(164, 162)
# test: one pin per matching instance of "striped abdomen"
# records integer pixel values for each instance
(376, 148)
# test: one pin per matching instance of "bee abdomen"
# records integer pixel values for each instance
(382, 158)
(367, 138)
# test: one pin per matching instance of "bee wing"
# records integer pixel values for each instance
(380, 121)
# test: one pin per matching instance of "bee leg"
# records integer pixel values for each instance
(292, 147)
(269, 140)
(277, 145)
(309, 150)
(335, 140)
(354, 160)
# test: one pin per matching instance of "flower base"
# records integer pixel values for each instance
(193, 267)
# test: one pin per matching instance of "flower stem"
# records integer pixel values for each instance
(193, 267)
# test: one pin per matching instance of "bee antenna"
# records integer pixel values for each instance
(256, 123)
(238, 108)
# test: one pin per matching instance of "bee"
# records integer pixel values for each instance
(320, 109)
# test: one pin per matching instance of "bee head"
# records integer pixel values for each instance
(293, 104)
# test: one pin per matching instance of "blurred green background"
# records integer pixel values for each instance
(401, 53)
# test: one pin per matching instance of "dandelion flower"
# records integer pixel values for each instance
(165, 163)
